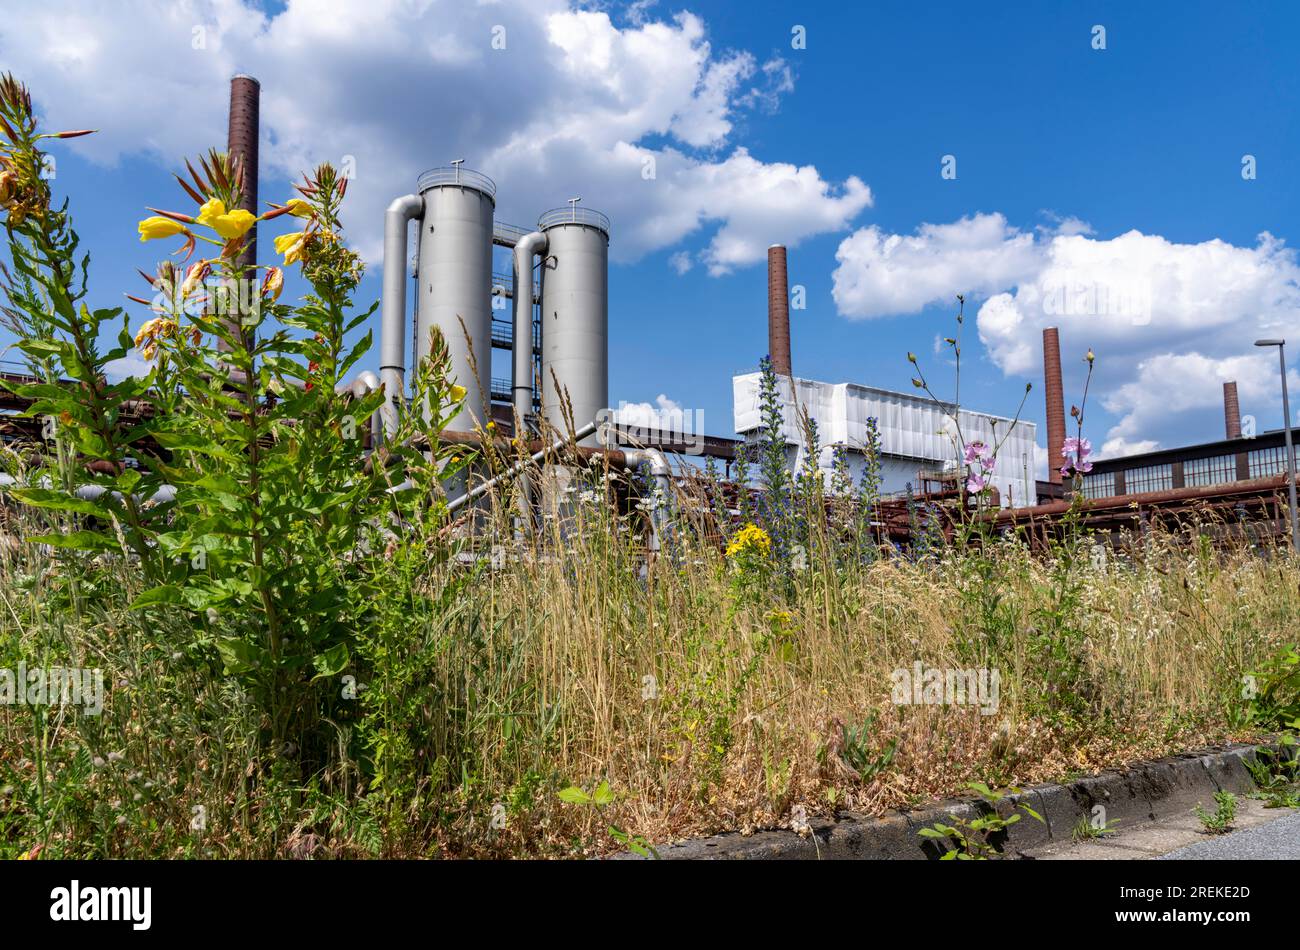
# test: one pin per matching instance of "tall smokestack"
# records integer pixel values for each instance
(778, 310)
(1055, 403)
(241, 144)
(1231, 410)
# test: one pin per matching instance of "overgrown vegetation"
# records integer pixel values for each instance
(304, 654)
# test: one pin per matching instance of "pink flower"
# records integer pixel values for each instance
(977, 453)
(1076, 452)
(976, 483)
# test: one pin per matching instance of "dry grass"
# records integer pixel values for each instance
(536, 679)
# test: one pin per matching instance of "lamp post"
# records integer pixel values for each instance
(1290, 452)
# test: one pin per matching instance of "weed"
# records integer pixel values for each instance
(1221, 819)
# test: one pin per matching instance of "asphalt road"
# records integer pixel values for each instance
(1277, 840)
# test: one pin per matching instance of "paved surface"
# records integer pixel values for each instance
(1259, 832)
(1277, 840)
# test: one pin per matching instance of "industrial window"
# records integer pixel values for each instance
(1265, 462)
(1211, 471)
(1149, 478)
(1100, 485)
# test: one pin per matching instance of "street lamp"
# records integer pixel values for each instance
(1290, 453)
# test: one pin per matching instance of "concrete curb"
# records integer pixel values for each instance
(1133, 795)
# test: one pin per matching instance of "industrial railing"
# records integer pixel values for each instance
(573, 215)
(456, 175)
(507, 235)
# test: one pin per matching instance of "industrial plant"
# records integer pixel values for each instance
(524, 314)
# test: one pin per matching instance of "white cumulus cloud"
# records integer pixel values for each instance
(551, 101)
(1169, 321)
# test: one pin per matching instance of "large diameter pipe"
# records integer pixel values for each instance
(526, 248)
(662, 472)
(481, 490)
(392, 341)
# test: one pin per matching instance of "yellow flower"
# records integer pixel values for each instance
(299, 208)
(229, 224)
(291, 245)
(234, 224)
(458, 393)
(146, 341)
(196, 275)
(273, 283)
(211, 209)
(750, 539)
(159, 227)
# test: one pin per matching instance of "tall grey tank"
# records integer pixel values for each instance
(455, 280)
(575, 314)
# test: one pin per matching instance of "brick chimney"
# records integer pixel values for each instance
(1055, 403)
(1231, 410)
(778, 310)
(241, 144)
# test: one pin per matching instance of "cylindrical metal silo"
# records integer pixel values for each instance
(575, 314)
(455, 275)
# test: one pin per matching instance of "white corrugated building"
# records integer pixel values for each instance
(915, 434)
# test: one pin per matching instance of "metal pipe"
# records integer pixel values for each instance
(1251, 487)
(526, 248)
(518, 467)
(662, 472)
(1290, 451)
(362, 385)
(392, 346)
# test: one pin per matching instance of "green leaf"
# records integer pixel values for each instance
(573, 795)
(602, 796)
(192, 442)
(239, 656)
(332, 662)
(77, 540)
(166, 594)
(59, 501)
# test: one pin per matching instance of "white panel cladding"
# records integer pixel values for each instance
(915, 433)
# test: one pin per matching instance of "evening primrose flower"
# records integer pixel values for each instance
(273, 283)
(299, 208)
(229, 224)
(196, 275)
(153, 228)
(292, 246)
(458, 393)
(153, 331)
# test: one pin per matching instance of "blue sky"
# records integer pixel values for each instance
(1061, 150)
